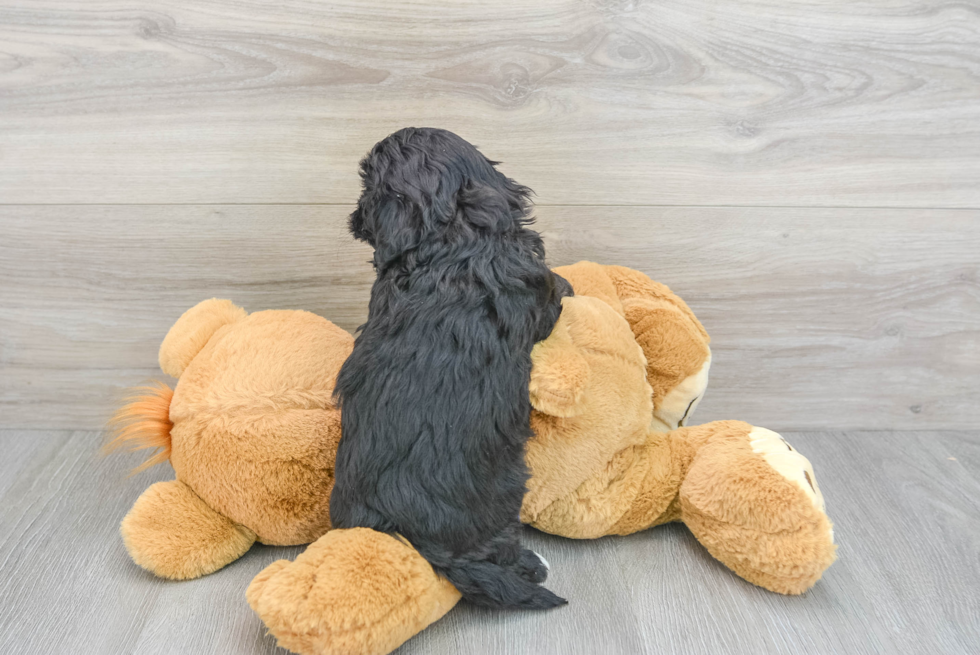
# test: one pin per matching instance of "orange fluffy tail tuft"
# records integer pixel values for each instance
(144, 422)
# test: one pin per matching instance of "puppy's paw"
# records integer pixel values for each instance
(533, 567)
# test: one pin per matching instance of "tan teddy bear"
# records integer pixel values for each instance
(251, 432)
(254, 430)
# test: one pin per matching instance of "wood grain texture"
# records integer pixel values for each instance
(820, 318)
(66, 582)
(160, 136)
(684, 102)
(906, 511)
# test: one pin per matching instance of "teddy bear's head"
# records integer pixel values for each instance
(255, 429)
(626, 357)
(674, 342)
(588, 378)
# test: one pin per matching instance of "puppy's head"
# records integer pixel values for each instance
(428, 187)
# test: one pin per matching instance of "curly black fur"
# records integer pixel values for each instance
(435, 394)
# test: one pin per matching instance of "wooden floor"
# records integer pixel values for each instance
(906, 509)
(805, 174)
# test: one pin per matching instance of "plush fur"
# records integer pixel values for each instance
(255, 429)
(600, 466)
(172, 532)
(434, 397)
(251, 431)
(380, 594)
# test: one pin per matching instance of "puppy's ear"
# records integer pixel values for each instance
(483, 207)
(377, 218)
(392, 225)
(357, 223)
(495, 206)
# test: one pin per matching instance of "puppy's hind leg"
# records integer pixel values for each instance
(532, 567)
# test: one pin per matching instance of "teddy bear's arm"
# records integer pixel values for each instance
(677, 354)
(631, 493)
(748, 496)
(559, 373)
(753, 501)
(674, 342)
(174, 534)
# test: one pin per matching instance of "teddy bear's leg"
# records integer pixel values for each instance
(171, 532)
(352, 591)
(753, 501)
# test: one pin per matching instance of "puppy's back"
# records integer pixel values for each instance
(434, 397)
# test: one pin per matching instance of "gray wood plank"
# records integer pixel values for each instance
(61, 583)
(906, 509)
(821, 318)
(677, 102)
(66, 582)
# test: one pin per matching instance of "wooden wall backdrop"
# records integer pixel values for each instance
(806, 175)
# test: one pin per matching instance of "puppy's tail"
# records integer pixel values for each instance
(486, 583)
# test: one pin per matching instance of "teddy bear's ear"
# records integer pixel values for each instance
(559, 373)
(193, 330)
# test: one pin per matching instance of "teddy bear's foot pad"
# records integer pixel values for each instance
(352, 592)
(753, 501)
(788, 462)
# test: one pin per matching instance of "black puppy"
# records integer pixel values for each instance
(434, 397)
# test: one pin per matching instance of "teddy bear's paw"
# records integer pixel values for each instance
(753, 501)
(352, 591)
(788, 462)
(675, 408)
